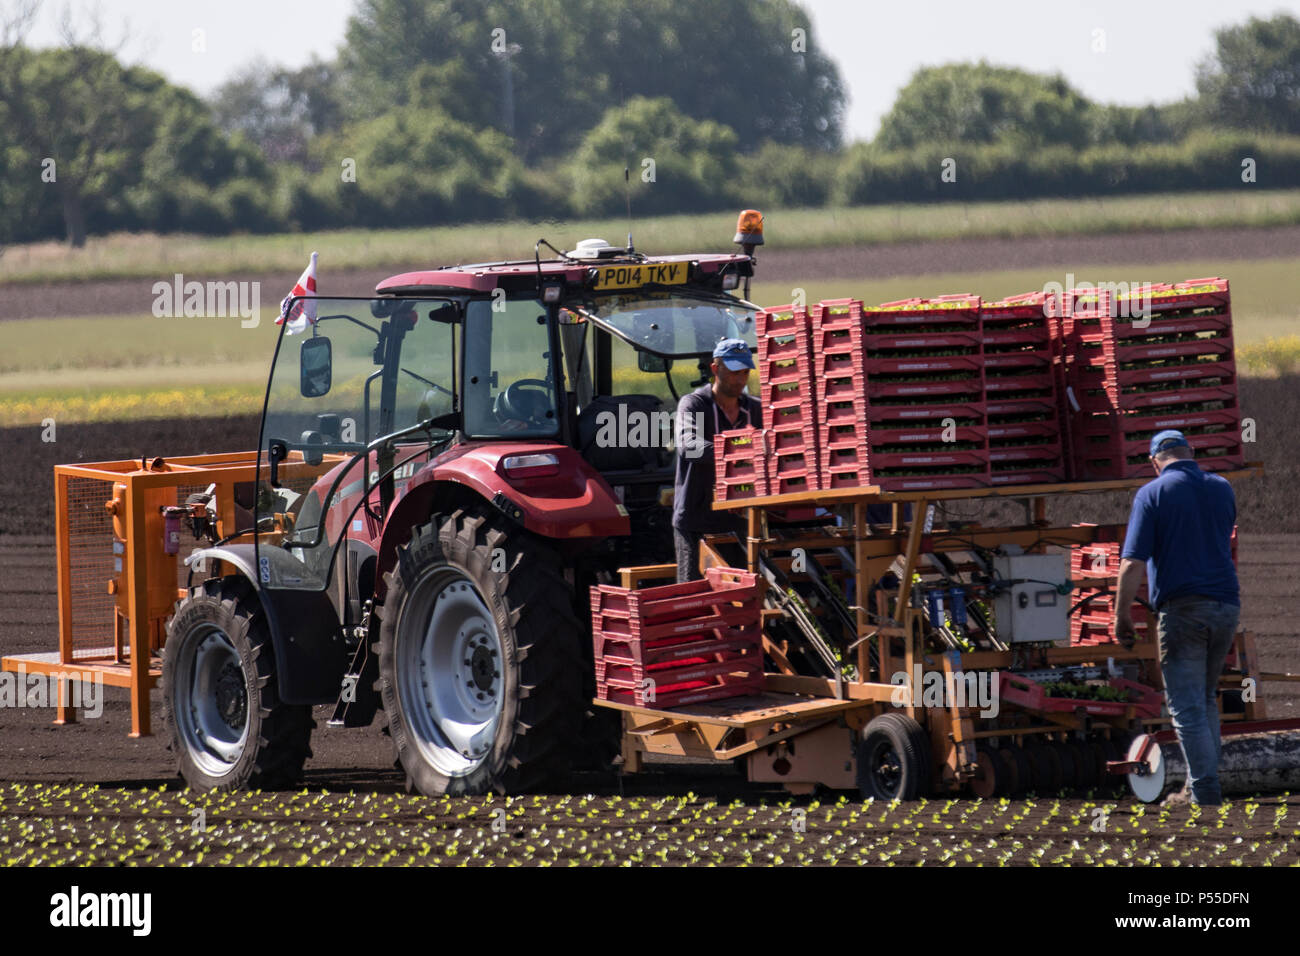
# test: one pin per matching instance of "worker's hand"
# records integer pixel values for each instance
(1123, 627)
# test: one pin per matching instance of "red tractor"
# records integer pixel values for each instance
(492, 439)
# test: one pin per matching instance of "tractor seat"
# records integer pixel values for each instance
(625, 433)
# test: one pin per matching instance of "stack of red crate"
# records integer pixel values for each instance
(1128, 377)
(739, 465)
(681, 643)
(902, 394)
(1021, 394)
(1092, 623)
(788, 393)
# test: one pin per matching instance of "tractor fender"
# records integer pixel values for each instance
(574, 503)
(310, 657)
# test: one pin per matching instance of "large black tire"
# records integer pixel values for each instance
(225, 723)
(890, 763)
(483, 692)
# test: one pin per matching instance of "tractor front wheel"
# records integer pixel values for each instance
(224, 719)
(480, 671)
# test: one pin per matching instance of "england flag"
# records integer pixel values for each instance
(304, 310)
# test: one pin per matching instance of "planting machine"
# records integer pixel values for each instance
(458, 521)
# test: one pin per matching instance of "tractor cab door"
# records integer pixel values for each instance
(363, 394)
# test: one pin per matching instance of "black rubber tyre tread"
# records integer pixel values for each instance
(996, 778)
(1085, 769)
(1024, 769)
(282, 731)
(901, 733)
(1097, 754)
(1069, 769)
(925, 778)
(1010, 770)
(1047, 767)
(531, 606)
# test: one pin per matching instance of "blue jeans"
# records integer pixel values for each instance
(1195, 634)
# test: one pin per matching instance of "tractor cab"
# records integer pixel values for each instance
(445, 468)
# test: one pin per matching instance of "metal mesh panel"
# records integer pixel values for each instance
(90, 566)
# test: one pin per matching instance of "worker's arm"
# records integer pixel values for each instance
(1139, 545)
(691, 441)
(1131, 573)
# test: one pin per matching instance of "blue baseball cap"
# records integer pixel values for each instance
(733, 354)
(1169, 438)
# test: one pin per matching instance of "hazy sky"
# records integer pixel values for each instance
(1151, 47)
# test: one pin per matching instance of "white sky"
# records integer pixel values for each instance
(1151, 46)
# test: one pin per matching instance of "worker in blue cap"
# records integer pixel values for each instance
(1181, 527)
(723, 405)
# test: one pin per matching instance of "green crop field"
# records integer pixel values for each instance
(138, 366)
(151, 256)
(59, 825)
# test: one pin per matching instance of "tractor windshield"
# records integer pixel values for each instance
(674, 324)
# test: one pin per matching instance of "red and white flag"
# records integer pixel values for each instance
(304, 310)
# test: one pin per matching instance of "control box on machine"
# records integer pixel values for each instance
(1032, 608)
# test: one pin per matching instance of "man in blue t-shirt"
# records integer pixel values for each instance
(1181, 527)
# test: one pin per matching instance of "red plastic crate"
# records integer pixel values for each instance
(631, 652)
(724, 598)
(933, 413)
(1049, 428)
(922, 339)
(1112, 379)
(1007, 454)
(1027, 305)
(1037, 475)
(1192, 294)
(781, 321)
(932, 482)
(927, 459)
(1031, 695)
(1001, 408)
(1038, 381)
(685, 694)
(1020, 359)
(739, 464)
(944, 310)
(951, 389)
(836, 314)
(1153, 401)
(923, 365)
(929, 435)
(1127, 330)
(745, 656)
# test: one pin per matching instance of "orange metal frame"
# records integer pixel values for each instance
(143, 669)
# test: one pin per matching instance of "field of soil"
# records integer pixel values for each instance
(77, 794)
(67, 826)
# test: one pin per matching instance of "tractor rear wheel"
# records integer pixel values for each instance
(480, 669)
(222, 711)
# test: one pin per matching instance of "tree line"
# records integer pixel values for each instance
(446, 111)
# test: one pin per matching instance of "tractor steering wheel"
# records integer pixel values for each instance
(522, 402)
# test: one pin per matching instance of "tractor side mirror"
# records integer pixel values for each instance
(315, 365)
(649, 362)
(446, 314)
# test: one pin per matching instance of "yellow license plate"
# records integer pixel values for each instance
(647, 273)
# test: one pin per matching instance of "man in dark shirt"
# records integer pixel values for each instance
(1181, 527)
(722, 406)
